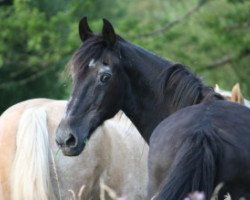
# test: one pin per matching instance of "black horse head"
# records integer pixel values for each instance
(98, 89)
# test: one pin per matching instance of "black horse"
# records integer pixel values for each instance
(197, 140)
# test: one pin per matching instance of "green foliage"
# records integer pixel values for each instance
(218, 31)
(37, 39)
(34, 48)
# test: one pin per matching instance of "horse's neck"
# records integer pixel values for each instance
(141, 104)
(151, 100)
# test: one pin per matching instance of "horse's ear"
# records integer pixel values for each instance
(84, 30)
(108, 33)
(236, 94)
(217, 88)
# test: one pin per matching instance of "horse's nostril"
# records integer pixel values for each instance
(71, 141)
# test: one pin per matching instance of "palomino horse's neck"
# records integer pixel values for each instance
(159, 88)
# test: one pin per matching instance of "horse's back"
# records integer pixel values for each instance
(229, 117)
(223, 125)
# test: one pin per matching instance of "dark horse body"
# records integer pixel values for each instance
(207, 145)
(197, 139)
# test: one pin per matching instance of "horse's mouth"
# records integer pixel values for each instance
(73, 151)
(75, 142)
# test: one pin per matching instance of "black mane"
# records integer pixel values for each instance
(188, 88)
(93, 48)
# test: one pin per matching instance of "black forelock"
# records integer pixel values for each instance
(90, 49)
(93, 48)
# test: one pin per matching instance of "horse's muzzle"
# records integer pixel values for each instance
(68, 141)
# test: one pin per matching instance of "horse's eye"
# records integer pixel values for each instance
(105, 63)
(104, 78)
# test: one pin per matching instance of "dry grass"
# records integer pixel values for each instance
(201, 196)
(56, 175)
(79, 195)
(228, 197)
(216, 192)
(104, 190)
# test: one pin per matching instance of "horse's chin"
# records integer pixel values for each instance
(76, 151)
(80, 145)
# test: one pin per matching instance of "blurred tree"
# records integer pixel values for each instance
(5, 2)
(35, 44)
(211, 37)
(37, 39)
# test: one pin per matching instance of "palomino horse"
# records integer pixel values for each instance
(235, 95)
(197, 139)
(32, 168)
